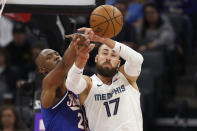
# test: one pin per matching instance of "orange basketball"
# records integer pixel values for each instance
(106, 21)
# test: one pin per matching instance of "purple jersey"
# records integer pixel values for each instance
(65, 115)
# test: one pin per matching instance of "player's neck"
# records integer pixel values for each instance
(105, 80)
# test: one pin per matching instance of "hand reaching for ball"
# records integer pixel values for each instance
(83, 39)
(82, 44)
(91, 35)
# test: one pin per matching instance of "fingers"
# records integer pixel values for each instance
(73, 36)
(86, 30)
(86, 49)
(69, 36)
(76, 41)
(91, 47)
(82, 29)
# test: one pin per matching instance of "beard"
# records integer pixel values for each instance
(105, 71)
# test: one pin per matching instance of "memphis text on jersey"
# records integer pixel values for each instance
(107, 96)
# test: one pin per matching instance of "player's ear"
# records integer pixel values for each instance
(96, 58)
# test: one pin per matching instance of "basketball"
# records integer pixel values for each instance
(106, 21)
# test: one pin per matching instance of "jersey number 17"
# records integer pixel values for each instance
(107, 103)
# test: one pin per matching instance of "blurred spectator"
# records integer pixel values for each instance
(178, 6)
(176, 9)
(127, 34)
(31, 79)
(133, 14)
(156, 31)
(9, 119)
(8, 75)
(144, 1)
(19, 47)
(30, 76)
(110, 2)
(30, 68)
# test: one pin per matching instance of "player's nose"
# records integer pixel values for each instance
(108, 58)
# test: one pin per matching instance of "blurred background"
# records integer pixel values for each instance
(164, 31)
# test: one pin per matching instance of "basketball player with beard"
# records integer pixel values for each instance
(60, 109)
(111, 97)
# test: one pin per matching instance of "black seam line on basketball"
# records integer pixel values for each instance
(106, 29)
(117, 21)
(102, 23)
(100, 16)
(110, 18)
(115, 18)
(106, 21)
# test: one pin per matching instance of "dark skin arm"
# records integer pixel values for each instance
(56, 78)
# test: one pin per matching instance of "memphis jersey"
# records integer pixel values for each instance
(114, 107)
(65, 115)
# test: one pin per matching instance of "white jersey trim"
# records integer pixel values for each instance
(57, 104)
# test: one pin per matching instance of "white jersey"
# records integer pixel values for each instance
(114, 107)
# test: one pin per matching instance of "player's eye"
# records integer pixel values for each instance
(105, 53)
(114, 55)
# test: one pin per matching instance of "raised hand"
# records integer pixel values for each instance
(83, 39)
(82, 45)
(90, 33)
(83, 52)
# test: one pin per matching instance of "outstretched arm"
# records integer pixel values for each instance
(57, 76)
(75, 81)
(132, 68)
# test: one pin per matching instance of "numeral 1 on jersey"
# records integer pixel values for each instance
(106, 104)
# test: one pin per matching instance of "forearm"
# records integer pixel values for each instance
(109, 42)
(75, 81)
(69, 57)
(133, 59)
(59, 73)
